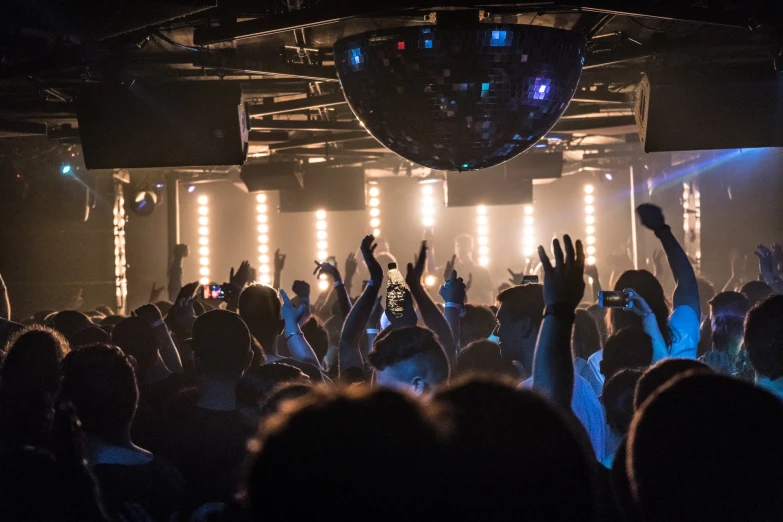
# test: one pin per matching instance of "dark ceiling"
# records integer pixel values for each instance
(280, 51)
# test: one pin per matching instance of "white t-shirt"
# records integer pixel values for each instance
(685, 329)
(588, 410)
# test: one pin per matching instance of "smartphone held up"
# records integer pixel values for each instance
(610, 299)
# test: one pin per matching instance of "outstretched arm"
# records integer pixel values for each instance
(429, 310)
(5, 303)
(595, 281)
(339, 286)
(168, 350)
(279, 265)
(553, 369)
(297, 344)
(350, 356)
(687, 290)
(769, 266)
(175, 271)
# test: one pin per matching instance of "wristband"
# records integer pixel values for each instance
(458, 306)
(294, 334)
(337, 283)
(157, 323)
(371, 283)
(561, 311)
(373, 331)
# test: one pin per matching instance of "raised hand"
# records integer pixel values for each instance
(279, 261)
(288, 312)
(564, 283)
(640, 306)
(454, 290)
(156, 293)
(187, 291)
(416, 269)
(767, 262)
(449, 268)
(591, 271)
(651, 216)
(368, 252)
(516, 278)
(185, 313)
(350, 267)
(777, 253)
(469, 282)
(242, 275)
(301, 289)
(150, 313)
(328, 269)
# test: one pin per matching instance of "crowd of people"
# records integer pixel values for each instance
(267, 406)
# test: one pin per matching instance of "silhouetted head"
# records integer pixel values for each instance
(585, 339)
(483, 358)
(476, 325)
(258, 384)
(221, 345)
(519, 318)
(409, 359)
(259, 306)
(383, 467)
(628, 348)
(499, 435)
(764, 338)
(68, 322)
(136, 336)
(617, 399)
(315, 334)
(647, 286)
(100, 382)
(464, 247)
(91, 335)
(662, 372)
(756, 291)
(707, 447)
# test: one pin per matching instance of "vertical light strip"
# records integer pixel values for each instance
(529, 233)
(322, 244)
(203, 239)
(374, 202)
(427, 205)
(262, 216)
(482, 228)
(590, 224)
(691, 220)
(120, 262)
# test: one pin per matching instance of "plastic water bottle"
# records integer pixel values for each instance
(395, 291)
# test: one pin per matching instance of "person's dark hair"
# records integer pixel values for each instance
(628, 348)
(499, 435)
(221, 343)
(136, 336)
(99, 380)
(706, 293)
(483, 358)
(259, 306)
(707, 447)
(68, 322)
(756, 291)
(29, 382)
(524, 302)
(91, 335)
(662, 372)
(391, 440)
(585, 339)
(599, 314)
(764, 337)
(257, 385)
(477, 324)
(316, 336)
(284, 392)
(617, 398)
(112, 320)
(647, 286)
(729, 302)
(411, 343)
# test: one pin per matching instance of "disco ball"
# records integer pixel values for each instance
(460, 98)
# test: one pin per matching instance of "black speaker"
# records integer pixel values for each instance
(495, 186)
(331, 189)
(710, 107)
(166, 125)
(271, 176)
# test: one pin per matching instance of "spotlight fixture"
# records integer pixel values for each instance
(65, 169)
(144, 202)
(460, 96)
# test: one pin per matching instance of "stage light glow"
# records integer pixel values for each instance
(204, 251)
(263, 259)
(589, 199)
(191, 189)
(204, 271)
(323, 285)
(203, 220)
(203, 281)
(590, 250)
(374, 192)
(261, 209)
(481, 210)
(322, 245)
(529, 210)
(590, 240)
(264, 249)
(265, 279)
(264, 269)
(261, 198)
(430, 280)
(374, 202)
(426, 190)
(321, 234)
(320, 214)
(482, 230)
(262, 218)
(203, 241)
(590, 229)
(376, 232)
(591, 260)
(375, 222)
(375, 212)
(483, 250)
(203, 231)
(322, 255)
(263, 239)
(202, 200)
(483, 260)
(320, 225)
(528, 220)
(427, 221)
(203, 211)
(588, 189)
(204, 261)
(66, 169)
(590, 220)
(589, 209)
(482, 220)
(483, 240)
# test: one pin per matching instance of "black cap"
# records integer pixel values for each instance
(392, 266)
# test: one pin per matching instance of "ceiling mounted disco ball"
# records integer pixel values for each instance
(460, 98)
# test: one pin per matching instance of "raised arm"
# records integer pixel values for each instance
(297, 344)
(687, 289)
(350, 355)
(564, 286)
(430, 313)
(454, 293)
(339, 286)
(649, 324)
(168, 350)
(279, 265)
(175, 271)
(769, 266)
(350, 272)
(592, 272)
(5, 303)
